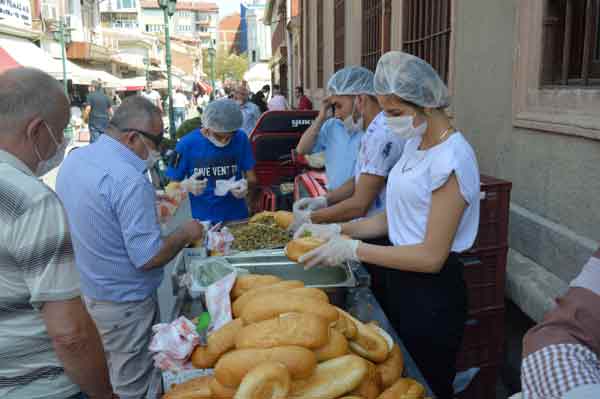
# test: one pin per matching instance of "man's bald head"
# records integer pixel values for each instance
(28, 93)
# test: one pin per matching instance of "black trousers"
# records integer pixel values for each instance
(428, 311)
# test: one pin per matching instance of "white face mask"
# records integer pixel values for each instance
(47, 165)
(216, 142)
(350, 124)
(153, 155)
(403, 126)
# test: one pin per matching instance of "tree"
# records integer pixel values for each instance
(227, 65)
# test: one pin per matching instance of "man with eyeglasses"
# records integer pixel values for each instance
(119, 250)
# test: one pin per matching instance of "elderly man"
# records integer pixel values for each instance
(250, 111)
(118, 246)
(49, 345)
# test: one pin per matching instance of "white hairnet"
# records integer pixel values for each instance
(222, 116)
(352, 81)
(410, 78)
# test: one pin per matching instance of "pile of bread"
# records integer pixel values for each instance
(288, 341)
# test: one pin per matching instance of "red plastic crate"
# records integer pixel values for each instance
(485, 275)
(483, 385)
(483, 340)
(494, 211)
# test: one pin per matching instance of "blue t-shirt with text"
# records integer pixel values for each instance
(196, 153)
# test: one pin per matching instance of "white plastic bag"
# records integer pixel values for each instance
(222, 187)
(173, 343)
(218, 302)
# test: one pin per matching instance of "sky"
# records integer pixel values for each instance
(227, 7)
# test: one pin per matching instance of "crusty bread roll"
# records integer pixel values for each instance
(233, 366)
(345, 325)
(311, 292)
(368, 343)
(284, 219)
(218, 343)
(404, 388)
(283, 286)
(219, 391)
(298, 247)
(196, 388)
(296, 329)
(331, 379)
(391, 370)
(250, 281)
(269, 380)
(266, 307)
(336, 346)
(370, 386)
(351, 397)
(255, 218)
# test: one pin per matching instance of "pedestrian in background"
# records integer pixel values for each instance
(304, 102)
(180, 103)
(260, 98)
(49, 345)
(97, 111)
(278, 101)
(119, 249)
(153, 96)
(250, 111)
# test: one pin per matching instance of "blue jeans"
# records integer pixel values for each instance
(179, 116)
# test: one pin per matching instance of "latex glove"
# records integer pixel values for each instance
(336, 251)
(241, 190)
(300, 217)
(194, 185)
(322, 231)
(311, 204)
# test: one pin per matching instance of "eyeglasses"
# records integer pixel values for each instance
(156, 140)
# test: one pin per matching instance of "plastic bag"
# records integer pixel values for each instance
(205, 272)
(220, 241)
(173, 343)
(222, 187)
(218, 302)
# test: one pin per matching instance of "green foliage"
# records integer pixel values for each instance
(187, 126)
(227, 65)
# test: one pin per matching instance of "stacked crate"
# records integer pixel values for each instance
(485, 271)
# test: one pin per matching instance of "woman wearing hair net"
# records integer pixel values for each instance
(216, 164)
(432, 214)
(338, 136)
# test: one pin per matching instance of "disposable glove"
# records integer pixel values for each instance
(300, 217)
(310, 204)
(322, 231)
(336, 251)
(194, 185)
(241, 189)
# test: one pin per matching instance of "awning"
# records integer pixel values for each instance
(25, 53)
(132, 84)
(6, 61)
(205, 86)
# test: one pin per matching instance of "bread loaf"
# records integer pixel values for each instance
(218, 343)
(331, 379)
(264, 214)
(391, 370)
(284, 219)
(345, 325)
(311, 292)
(233, 366)
(219, 391)
(266, 307)
(404, 388)
(370, 386)
(269, 380)
(250, 281)
(196, 388)
(336, 346)
(368, 343)
(283, 286)
(300, 246)
(296, 329)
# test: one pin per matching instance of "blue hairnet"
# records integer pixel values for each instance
(352, 80)
(411, 79)
(222, 116)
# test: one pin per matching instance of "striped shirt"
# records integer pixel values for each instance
(36, 266)
(112, 214)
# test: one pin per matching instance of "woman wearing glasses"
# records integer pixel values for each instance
(432, 214)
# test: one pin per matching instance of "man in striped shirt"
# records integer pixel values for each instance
(119, 250)
(561, 355)
(49, 345)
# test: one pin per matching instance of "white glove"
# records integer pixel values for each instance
(194, 185)
(241, 190)
(335, 252)
(300, 217)
(311, 204)
(322, 231)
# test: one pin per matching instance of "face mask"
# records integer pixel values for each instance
(350, 124)
(403, 126)
(153, 156)
(47, 165)
(217, 143)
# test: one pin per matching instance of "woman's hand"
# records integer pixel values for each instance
(335, 252)
(322, 231)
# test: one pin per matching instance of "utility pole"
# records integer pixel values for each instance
(63, 36)
(169, 7)
(212, 56)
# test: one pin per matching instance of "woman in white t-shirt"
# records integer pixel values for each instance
(432, 214)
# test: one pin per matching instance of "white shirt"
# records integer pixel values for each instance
(417, 175)
(179, 100)
(278, 103)
(380, 150)
(153, 96)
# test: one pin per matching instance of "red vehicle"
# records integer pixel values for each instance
(274, 140)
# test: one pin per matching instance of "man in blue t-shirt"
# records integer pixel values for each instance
(219, 154)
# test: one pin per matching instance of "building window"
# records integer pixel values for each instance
(387, 26)
(320, 48)
(126, 4)
(153, 28)
(371, 28)
(571, 43)
(308, 50)
(427, 30)
(253, 55)
(339, 34)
